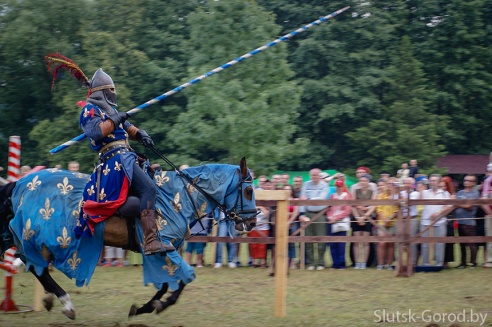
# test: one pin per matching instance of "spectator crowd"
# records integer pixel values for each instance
(408, 183)
(364, 220)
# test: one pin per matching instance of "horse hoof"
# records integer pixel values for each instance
(69, 313)
(158, 306)
(133, 311)
(48, 301)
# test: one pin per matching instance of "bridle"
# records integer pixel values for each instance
(239, 216)
(231, 215)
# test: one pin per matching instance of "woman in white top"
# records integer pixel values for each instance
(339, 215)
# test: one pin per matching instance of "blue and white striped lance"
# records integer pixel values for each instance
(210, 73)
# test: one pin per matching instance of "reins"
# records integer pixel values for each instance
(229, 214)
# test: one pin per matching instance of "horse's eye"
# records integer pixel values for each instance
(248, 193)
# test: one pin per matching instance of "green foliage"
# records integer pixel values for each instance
(30, 30)
(248, 110)
(405, 129)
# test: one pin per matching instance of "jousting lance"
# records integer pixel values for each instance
(210, 73)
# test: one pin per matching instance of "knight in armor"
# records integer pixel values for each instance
(117, 172)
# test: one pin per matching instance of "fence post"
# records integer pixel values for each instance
(488, 245)
(281, 255)
(38, 296)
(281, 242)
(213, 245)
(10, 270)
(14, 158)
(408, 234)
(302, 251)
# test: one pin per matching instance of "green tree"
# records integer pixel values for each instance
(406, 129)
(30, 30)
(458, 54)
(247, 110)
(342, 68)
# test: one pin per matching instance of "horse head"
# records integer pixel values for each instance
(244, 211)
(239, 203)
(225, 187)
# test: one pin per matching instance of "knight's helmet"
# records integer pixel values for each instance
(103, 82)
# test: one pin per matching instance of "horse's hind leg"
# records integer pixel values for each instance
(53, 289)
(161, 306)
(148, 307)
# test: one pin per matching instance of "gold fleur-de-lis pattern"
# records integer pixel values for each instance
(106, 170)
(84, 216)
(76, 212)
(91, 190)
(170, 268)
(31, 186)
(64, 240)
(161, 178)
(102, 195)
(118, 166)
(80, 175)
(27, 232)
(190, 186)
(47, 211)
(74, 261)
(53, 170)
(65, 187)
(202, 211)
(47, 255)
(175, 203)
(161, 222)
(86, 113)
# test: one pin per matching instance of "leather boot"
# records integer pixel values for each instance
(148, 219)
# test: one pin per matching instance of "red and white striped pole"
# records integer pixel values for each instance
(14, 158)
(10, 269)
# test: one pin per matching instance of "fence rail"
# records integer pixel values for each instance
(401, 203)
(280, 200)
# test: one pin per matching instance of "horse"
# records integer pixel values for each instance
(44, 208)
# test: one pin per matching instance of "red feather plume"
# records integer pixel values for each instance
(57, 64)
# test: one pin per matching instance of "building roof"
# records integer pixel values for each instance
(464, 163)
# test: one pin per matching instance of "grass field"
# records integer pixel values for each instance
(245, 297)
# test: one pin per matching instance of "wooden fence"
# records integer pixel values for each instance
(280, 199)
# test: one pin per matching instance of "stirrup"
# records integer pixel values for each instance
(163, 249)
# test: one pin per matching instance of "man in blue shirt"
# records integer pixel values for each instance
(314, 189)
(467, 225)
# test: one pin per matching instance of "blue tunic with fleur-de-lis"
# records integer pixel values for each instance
(116, 172)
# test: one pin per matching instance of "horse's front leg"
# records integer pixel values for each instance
(161, 306)
(148, 307)
(53, 289)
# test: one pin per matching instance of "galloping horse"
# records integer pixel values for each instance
(45, 207)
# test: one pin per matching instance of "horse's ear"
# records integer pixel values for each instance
(243, 167)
